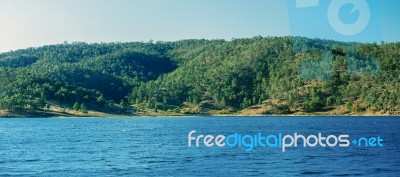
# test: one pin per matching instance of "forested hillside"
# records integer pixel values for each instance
(278, 75)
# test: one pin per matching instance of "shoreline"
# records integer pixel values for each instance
(56, 112)
(111, 116)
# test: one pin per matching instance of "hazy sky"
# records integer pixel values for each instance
(30, 23)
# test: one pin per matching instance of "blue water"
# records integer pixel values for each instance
(159, 147)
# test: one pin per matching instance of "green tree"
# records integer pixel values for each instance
(76, 106)
(83, 108)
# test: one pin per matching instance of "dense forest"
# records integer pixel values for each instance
(278, 75)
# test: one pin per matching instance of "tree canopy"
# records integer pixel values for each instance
(287, 73)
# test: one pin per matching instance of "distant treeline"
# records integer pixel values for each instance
(299, 73)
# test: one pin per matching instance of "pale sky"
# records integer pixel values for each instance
(32, 23)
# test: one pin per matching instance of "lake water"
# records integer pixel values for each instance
(159, 147)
